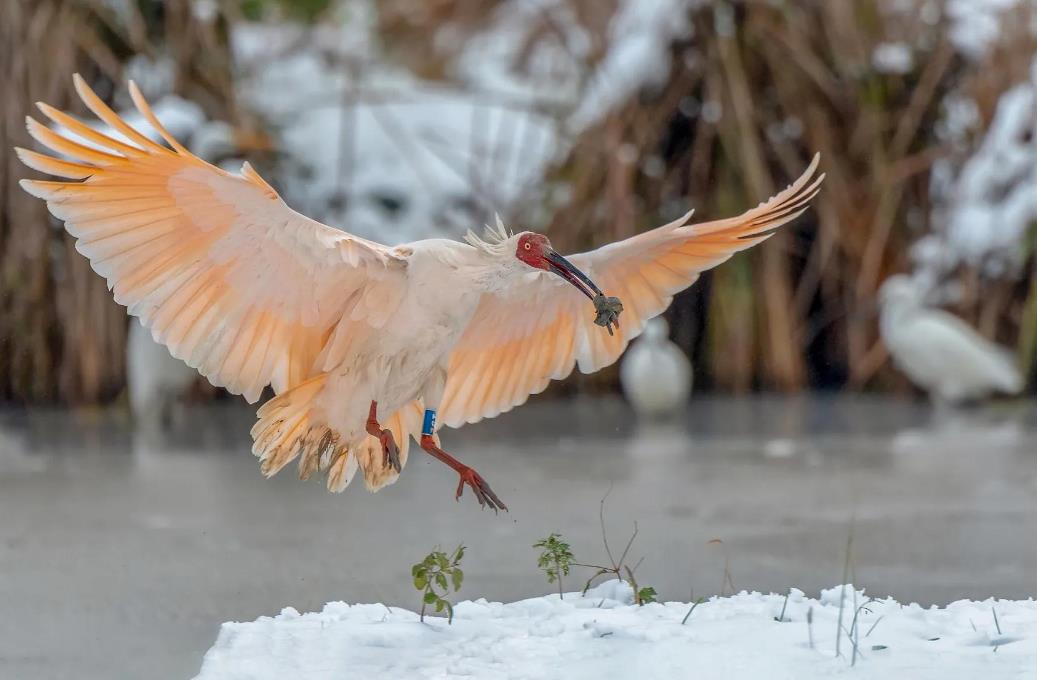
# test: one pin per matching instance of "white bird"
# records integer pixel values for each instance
(364, 345)
(938, 351)
(655, 374)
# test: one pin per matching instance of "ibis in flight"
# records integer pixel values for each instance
(364, 345)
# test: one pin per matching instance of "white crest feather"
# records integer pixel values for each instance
(494, 236)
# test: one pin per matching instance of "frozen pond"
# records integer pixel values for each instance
(121, 553)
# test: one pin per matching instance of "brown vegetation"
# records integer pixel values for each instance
(781, 80)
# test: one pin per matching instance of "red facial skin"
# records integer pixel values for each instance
(532, 249)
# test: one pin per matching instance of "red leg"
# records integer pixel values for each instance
(390, 452)
(469, 476)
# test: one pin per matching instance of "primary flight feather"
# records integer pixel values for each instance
(364, 345)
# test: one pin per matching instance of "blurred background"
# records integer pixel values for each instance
(126, 489)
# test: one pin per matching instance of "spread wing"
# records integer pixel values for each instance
(231, 279)
(520, 340)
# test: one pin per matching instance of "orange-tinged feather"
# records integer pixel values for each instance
(487, 371)
(55, 142)
(54, 166)
(142, 106)
(87, 132)
(105, 113)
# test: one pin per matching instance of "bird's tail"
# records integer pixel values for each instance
(292, 425)
(1006, 373)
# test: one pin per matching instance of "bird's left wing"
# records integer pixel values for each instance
(520, 340)
(231, 279)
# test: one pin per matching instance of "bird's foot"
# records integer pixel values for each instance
(390, 452)
(483, 493)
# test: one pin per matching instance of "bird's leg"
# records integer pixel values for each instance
(469, 476)
(390, 452)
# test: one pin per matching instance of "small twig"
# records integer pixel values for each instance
(633, 584)
(842, 592)
(686, 616)
(604, 534)
(997, 623)
(623, 557)
(855, 631)
(781, 616)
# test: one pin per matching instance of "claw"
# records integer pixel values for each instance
(483, 493)
(390, 452)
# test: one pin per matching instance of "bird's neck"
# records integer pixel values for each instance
(896, 312)
(492, 273)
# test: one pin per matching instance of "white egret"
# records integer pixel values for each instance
(938, 351)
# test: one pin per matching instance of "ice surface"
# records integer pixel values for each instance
(603, 636)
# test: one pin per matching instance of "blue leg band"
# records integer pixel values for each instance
(429, 426)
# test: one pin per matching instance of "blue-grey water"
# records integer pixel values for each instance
(121, 552)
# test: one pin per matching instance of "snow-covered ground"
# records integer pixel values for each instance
(604, 635)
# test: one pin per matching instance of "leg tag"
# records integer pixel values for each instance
(429, 426)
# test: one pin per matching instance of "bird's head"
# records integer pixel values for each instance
(657, 330)
(535, 250)
(900, 290)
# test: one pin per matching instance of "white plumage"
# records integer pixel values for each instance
(155, 379)
(363, 344)
(938, 351)
(655, 375)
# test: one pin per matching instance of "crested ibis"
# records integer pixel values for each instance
(364, 345)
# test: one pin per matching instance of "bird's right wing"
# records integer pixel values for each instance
(520, 340)
(231, 279)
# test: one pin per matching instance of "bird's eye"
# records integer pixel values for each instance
(526, 246)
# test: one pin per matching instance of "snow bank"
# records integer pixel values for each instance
(603, 635)
(639, 43)
(989, 206)
(977, 24)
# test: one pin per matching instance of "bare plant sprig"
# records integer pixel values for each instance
(695, 604)
(434, 576)
(555, 560)
(642, 594)
(726, 580)
(842, 593)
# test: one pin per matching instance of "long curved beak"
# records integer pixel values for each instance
(568, 271)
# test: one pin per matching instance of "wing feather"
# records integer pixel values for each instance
(231, 279)
(517, 342)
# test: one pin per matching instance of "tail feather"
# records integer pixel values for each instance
(1006, 373)
(290, 426)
